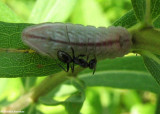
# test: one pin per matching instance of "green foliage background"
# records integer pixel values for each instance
(125, 73)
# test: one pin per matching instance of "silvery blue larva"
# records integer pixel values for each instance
(78, 44)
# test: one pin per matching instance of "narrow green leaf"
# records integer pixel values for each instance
(75, 98)
(74, 103)
(3, 84)
(123, 79)
(51, 10)
(153, 67)
(139, 8)
(7, 15)
(127, 72)
(155, 8)
(131, 98)
(4, 102)
(32, 109)
(15, 60)
(89, 12)
(38, 9)
(49, 101)
(156, 23)
(130, 63)
(79, 84)
(94, 97)
(28, 82)
(128, 20)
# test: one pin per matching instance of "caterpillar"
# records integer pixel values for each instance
(99, 43)
(48, 38)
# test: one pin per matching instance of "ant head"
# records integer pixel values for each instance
(64, 57)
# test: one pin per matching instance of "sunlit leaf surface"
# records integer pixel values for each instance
(7, 15)
(51, 10)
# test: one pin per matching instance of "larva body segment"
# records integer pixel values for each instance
(48, 38)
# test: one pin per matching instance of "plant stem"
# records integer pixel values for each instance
(48, 84)
(147, 18)
(43, 88)
(52, 82)
(19, 104)
(146, 39)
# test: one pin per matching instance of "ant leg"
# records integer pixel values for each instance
(95, 65)
(73, 53)
(72, 67)
(92, 64)
(67, 67)
(63, 67)
(94, 69)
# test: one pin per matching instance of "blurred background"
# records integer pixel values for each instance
(99, 100)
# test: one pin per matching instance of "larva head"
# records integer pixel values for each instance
(38, 37)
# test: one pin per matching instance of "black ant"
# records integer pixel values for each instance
(66, 58)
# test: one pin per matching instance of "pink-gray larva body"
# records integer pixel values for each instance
(99, 42)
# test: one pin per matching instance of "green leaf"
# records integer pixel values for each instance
(22, 8)
(12, 85)
(130, 63)
(49, 101)
(156, 23)
(128, 73)
(95, 97)
(51, 10)
(139, 8)
(3, 84)
(58, 92)
(4, 102)
(89, 12)
(28, 82)
(74, 103)
(153, 67)
(155, 9)
(122, 79)
(79, 84)
(32, 110)
(15, 60)
(7, 15)
(130, 99)
(128, 20)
